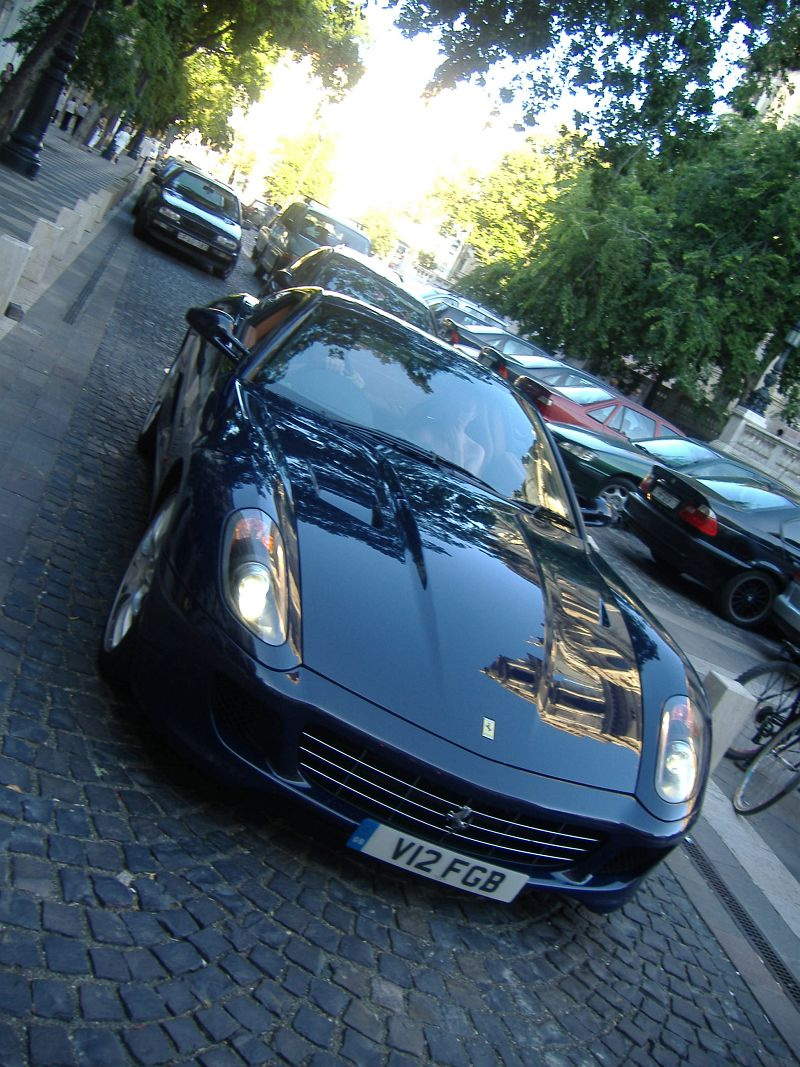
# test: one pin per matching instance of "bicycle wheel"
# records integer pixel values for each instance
(776, 688)
(773, 773)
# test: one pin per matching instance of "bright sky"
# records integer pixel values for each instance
(391, 143)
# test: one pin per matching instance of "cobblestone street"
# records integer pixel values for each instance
(151, 917)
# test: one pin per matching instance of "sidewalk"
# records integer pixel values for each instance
(748, 898)
(41, 373)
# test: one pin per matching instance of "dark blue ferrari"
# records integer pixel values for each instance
(367, 586)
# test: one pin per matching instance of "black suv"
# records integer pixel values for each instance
(344, 270)
(300, 228)
(188, 210)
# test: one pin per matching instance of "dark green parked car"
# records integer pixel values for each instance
(609, 467)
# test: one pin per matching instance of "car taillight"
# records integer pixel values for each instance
(502, 370)
(647, 483)
(702, 518)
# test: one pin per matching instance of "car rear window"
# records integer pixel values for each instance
(328, 231)
(583, 394)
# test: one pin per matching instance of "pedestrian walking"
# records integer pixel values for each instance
(7, 74)
(80, 114)
(119, 143)
(69, 112)
(147, 152)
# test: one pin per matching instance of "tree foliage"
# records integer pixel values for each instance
(685, 271)
(165, 61)
(651, 68)
(303, 167)
(504, 213)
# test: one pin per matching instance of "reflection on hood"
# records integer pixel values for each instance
(589, 685)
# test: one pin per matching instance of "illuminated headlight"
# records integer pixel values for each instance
(227, 243)
(254, 575)
(168, 213)
(680, 750)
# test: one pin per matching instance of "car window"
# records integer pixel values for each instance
(327, 231)
(515, 346)
(383, 377)
(583, 394)
(206, 193)
(634, 424)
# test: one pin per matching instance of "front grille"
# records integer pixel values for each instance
(382, 789)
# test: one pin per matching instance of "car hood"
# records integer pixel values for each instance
(181, 203)
(457, 610)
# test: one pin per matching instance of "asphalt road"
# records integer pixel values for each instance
(150, 916)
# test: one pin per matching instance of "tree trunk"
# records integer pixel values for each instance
(17, 93)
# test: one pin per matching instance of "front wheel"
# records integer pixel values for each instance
(773, 773)
(747, 598)
(119, 635)
(776, 688)
(615, 493)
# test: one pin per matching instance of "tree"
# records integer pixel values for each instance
(303, 167)
(651, 69)
(505, 211)
(685, 271)
(160, 60)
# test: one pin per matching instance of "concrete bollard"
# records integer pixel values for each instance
(44, 238)
(69, 221)
(731, 706)
(13, 254)
(100, 200)
(85, 213)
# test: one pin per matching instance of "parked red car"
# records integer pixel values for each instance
(572, 396)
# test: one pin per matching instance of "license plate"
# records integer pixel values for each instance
(435, 862)
(663, 497)
(192, 241)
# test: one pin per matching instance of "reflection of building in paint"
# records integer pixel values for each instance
(585, 680)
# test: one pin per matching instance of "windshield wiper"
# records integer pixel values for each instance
(546, 515)
(433, 459)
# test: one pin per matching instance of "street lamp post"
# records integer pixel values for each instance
(759, 399)
(21, 151)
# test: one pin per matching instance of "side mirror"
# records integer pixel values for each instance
(216, 327)
(283, 279)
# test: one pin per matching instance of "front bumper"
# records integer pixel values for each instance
(176, 237)
(298, 734)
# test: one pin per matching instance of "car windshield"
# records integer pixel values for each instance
(327, 231)
(583, 394)
(206, 193)
(380, 376)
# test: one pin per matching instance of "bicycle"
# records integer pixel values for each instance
(773, 773)
(775, 685)
(768, 745)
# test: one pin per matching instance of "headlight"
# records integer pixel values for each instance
(680, 750)
(254, 576)
(227, 243)
(168, 213)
